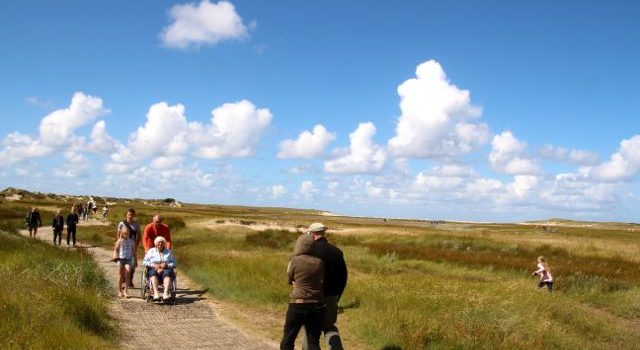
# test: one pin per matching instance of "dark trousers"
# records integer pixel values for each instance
(308, 315)
(331, 333)
(71, 232)
(549, 285)
(57, 234)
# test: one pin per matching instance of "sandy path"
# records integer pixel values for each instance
(192, 323)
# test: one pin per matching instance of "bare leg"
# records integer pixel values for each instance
(119, 284)
(154, 285)
(127, 279)
(167, 282)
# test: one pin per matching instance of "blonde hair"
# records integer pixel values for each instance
(543, 261)
(124, 229)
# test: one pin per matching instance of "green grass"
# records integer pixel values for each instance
(446, 291)
(414, 285)
(51, 298)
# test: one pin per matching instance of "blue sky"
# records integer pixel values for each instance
(466, 110)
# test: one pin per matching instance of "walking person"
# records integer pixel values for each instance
(105, 212)
(58, 225)
(335, 281)
(544, 271)
(156, 229)
(123, 252)
(306, 305)
(134, 233)
(33, 222)
(72, 222)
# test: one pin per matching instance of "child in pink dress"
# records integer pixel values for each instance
(545, 274)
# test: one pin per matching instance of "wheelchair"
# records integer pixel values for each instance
(146, 289)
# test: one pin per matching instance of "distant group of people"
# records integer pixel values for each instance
(158, 259)
(34, 221)
(71, 221)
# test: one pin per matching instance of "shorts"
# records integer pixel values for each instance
(124, 261)
(166, 272)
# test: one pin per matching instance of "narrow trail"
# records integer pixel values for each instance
(193, 322)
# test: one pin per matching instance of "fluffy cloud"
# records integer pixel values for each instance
(507, 156)
(363, 156)
(573, 156)
(18, 147)
(234, 131)
(101, 141)
(308, 144)
(437, 118)
(623, 164)
(523, 185)
(203, 24)
(445, 178)
(56, 130)
(162, 137)
(75, 165)
(167, 162)
(307, 189)
(278, 191)
(167, 136)
(163, 133)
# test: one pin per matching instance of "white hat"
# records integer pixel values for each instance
(317, 227)
(159, 239)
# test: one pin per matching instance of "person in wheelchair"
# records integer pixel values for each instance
(160, 262)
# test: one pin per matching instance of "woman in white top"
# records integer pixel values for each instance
(123, 252)
(160, 261)
(545, 274)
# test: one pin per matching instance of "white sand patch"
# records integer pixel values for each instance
(13, 197)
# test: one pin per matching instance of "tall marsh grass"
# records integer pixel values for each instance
(52, 298)
(419, 292)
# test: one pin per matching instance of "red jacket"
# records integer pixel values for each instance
(151, 231)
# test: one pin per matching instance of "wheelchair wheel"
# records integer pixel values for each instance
(174, 289)
(144, 292)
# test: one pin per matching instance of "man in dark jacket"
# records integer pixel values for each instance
(306, 308)
(335, 280)
(72, 222)
(58, 225)
(33, 222)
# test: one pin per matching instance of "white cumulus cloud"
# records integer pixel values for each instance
(277, 191)
(56, 129)
(307, 189)
(308, 144)
(507, 156)
(362, 156)
(437, 117)
(101, 141)
(163, 133)
(623, 164)
(573, 156)
(205, 23)
(235, 131)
